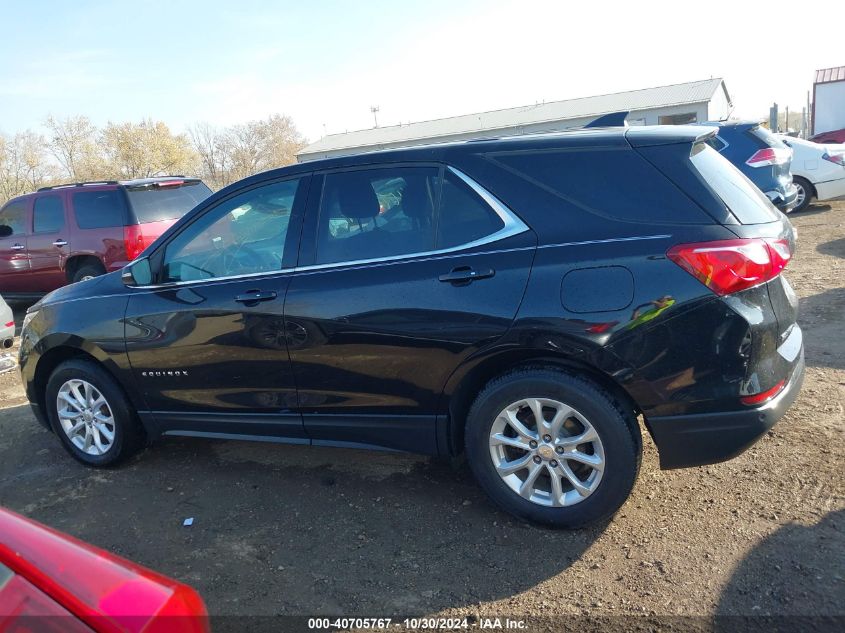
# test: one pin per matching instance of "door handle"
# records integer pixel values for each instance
(466, 274)
(254, 296)
(17, 247)
(60, 242)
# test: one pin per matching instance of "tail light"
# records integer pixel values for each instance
(769, 156)
(106, 592)
(728, 266)
(135, 241)
(839, 159)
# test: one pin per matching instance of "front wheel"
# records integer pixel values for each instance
(89, 413)
(553, 448)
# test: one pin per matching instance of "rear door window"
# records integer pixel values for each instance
(99, 209)
(746, 202)
(48, 214)
(157, 202)
(374, 213)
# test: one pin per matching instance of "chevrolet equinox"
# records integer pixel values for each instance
(520, 300)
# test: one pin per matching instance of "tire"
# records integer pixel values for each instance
(619, 447)
(808, 191)
(88, 271)
(126, 431)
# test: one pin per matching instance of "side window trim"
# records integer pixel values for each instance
(513, 225)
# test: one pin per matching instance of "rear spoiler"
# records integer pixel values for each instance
(614, 119)
(650, 135)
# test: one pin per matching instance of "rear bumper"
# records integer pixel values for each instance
(708, 438)
(784, 200)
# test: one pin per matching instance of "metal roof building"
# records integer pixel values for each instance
(829, 100)
(676, 104)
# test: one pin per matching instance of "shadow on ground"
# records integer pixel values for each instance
(288, 530)
(797, 571)
(812, 209)
(835, 248)
(820, 317)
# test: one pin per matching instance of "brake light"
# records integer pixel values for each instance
(839, 159)
(728, 266)
(135, 241)
(169, 183)
(769, 156)
(766, 395)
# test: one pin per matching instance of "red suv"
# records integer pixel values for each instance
(68, 233)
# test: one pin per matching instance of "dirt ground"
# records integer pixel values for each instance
(306, 531)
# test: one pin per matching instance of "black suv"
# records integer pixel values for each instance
(521, 300)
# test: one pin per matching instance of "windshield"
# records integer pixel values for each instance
(153, 202)
(746, 202)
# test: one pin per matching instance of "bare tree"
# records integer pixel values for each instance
(24, 165)
(73, 143)
(212, 146)
(76, 149)
(145, 149)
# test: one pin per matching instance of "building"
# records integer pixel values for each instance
(829, 100)
(690, 102)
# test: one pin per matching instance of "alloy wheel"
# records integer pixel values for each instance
(547, 452)
(86, 417)
(799, 199)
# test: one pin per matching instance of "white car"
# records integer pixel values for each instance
(7, 325)
(818, 171)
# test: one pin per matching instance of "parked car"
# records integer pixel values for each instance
(7, 325)
(760, 155)
(835, 137)
(519, 299)
(50, 581)
(817, 170)
(64, 234)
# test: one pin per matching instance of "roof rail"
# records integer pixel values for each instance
(80, 184)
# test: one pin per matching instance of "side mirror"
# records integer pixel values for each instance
(5, 230)
(138, 273)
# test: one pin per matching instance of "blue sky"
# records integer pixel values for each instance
(324, 63)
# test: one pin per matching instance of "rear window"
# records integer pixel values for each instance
(746, 202)
(766, 137)
(153, 203)
(99, 209)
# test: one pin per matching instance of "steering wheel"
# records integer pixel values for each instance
(236, 259)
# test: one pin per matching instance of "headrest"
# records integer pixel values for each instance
(356, 197)
(415, 200)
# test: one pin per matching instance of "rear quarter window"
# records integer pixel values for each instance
(613, 183)
(99, 209)
(746, 202)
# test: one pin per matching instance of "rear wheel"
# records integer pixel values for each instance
(87, 271)
(805, 193)
(89, 413)
(553, 448)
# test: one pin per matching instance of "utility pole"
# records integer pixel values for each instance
(374, 110)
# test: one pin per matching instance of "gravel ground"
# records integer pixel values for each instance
(305, 531)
